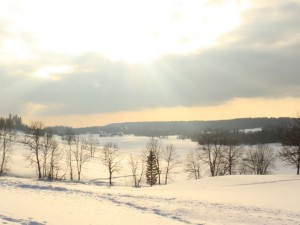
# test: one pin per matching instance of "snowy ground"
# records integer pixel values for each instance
(222, 200)
(272, 199)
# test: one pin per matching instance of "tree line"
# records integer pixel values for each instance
(222, 152)
(192, 129)
(223, 155)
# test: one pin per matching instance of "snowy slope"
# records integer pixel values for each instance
(221, 200)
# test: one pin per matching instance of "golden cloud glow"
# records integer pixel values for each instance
(237, 108)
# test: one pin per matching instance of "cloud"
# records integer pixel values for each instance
(269, 24)
(258, 59)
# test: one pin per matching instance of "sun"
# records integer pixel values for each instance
(52, 72)
(128, 30)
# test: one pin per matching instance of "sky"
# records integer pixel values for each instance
(94, 62)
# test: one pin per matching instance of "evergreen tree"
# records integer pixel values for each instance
(151, 172)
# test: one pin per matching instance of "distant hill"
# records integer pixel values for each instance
(178, 127)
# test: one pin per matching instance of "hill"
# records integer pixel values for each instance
(178, 127)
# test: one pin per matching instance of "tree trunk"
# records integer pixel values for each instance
(158, 172)
(298, 166)
(39, 170)
(166, 179)
(71, 171)
(230, 165)
(212, 171)
(70, 164)
(159, 178)
(3, 157)
(110, 177)
(38, 163)
(151, 175)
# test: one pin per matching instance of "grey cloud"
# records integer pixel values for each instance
(269, 24)
(231, 72)
(201, 79)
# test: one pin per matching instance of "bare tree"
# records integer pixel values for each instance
(80, 155)
(137, 166)
(91, 144)
(44, 151)
(259, 160)
(193, 165)
(210, 150)
(171, 159)
(7, 135)
(291, 156)
(111, 159)
(69, 138)
(155, 145)
(34, 141)
(55, 156)
(290, 152)
(47, 141)
(232, 154)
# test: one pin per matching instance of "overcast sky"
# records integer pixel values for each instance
(83, 63)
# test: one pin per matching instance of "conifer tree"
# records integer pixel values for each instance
(151, 172)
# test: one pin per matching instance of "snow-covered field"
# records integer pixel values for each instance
(270, 199)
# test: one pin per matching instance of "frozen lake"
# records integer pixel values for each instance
(136, 144)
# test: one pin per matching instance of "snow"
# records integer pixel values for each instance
(240, 199)
(249, 199)
(251, 130)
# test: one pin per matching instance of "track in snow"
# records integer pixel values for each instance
(185, 211)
